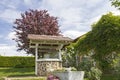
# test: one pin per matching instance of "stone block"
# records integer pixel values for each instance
(70, 75)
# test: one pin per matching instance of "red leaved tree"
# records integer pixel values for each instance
(34, 22)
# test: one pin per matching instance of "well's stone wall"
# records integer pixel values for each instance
(43, 67)
(70, 75)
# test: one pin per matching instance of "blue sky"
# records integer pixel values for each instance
(75, 17)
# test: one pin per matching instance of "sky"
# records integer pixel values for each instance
(75, 18)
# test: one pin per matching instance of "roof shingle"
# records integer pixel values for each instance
(48, 37)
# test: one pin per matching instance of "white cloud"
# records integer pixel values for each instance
(73, 34)
(9, 15)
(76, 16)
(10, 4)
(32, 4)
(10, 50)
(28, 2)
(116, 12)
(1, 36)
(71, 15)
(5, 47)
(11, 36)
(95, 19)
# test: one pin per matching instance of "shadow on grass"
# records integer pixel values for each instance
(2, 79)
(13, 72)
(110, 77)
(24, 75)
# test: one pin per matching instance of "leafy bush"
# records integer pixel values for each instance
(66, 69)
(17, 61)
(92, 72)
(73, 69)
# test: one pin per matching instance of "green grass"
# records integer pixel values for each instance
(18, 72)
(31, 79)
(110, 77)
(10, 72)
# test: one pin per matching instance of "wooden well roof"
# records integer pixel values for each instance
(48, 37)
(48, 43)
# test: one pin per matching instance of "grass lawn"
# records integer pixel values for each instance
(31, 79)
(111, 77)
(10, 72)
(17, 72)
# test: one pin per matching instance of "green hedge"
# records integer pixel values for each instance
(17, 61)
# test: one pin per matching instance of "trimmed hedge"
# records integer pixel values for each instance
(17, 61)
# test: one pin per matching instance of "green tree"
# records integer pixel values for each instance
(102, 41)
(116, 3)
(81, 62)
(69, 57)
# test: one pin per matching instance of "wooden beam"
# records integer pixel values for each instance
(46, 47)
(36, 57)
(48, 51)
(60, 52)
(49, 42)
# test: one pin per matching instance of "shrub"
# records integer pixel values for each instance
(91, 68)
(94, 74)
(17, 61)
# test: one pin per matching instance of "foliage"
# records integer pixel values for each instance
(94, 74)
(17, 61)
(69, 57)
(102, 40)
(110, 77)
(115, 65)
(73, 69)
(101, 44)
(65, 69)
(116, 3)
(34, 22)
(92, 71)
(87, 64)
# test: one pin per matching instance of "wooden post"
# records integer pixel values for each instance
(36, 57)
(60, 51)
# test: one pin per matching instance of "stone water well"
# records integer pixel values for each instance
(47, 52)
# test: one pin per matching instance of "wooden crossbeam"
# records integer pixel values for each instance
(48, 51)
(46, 47)
(48, 42)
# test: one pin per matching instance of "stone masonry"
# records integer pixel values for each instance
(44, 67)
